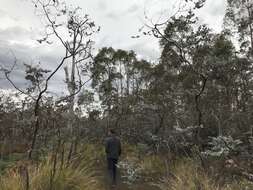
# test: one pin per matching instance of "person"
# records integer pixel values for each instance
(113, 152)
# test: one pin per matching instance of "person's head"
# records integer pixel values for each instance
(112, 132)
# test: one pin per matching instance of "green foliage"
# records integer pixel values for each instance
(222, 146)
(35, 75)
(10, 160)
(200, 80)
(117, 75)
(239, 15)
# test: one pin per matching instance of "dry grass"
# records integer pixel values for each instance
(182, 174)
(187, 175)
(79, 175)
(153, 164)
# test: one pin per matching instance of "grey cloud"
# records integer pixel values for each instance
(113, 15)
(145, 51)
(102, 42)
(102, 6)
(14, 33)
(49, 57)
(212, 14)
(25, 54)
(17, 75)
(2, 13)
(216, 8)
(5, 14)
(118, 14)
(132, 9)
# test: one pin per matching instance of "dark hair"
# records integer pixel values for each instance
(112, 131)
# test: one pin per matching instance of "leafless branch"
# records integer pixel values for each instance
(75, 93)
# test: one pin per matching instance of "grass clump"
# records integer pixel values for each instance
(51, 174)
(66, 178)
(153, 165)
(187, 174)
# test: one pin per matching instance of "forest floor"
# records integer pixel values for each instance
(141, 184)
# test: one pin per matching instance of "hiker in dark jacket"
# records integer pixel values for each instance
(113, 151)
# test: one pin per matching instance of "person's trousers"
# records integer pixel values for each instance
(112, 168)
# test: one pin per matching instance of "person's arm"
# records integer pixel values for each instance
(106, 146)
(119, 148)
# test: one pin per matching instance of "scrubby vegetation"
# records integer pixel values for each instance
(185, 120)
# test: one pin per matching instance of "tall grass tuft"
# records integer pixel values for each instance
(188, 175)
(49, 175)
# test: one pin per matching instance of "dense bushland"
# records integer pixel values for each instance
(185, 119)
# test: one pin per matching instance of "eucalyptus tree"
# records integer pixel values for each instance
(239, 22)
(239, 14)
(74, 31)
(200, 72)
(185, 45)
(104, 76)
(118, 77)
(189, 71)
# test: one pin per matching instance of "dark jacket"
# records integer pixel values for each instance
(112, 147)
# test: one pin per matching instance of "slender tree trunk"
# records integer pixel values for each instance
(197, 102)
(250, 9)
(72, 87)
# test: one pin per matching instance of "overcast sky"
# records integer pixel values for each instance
(119, 20)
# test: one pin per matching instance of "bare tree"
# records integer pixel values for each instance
(78, 43)
(74, 32)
